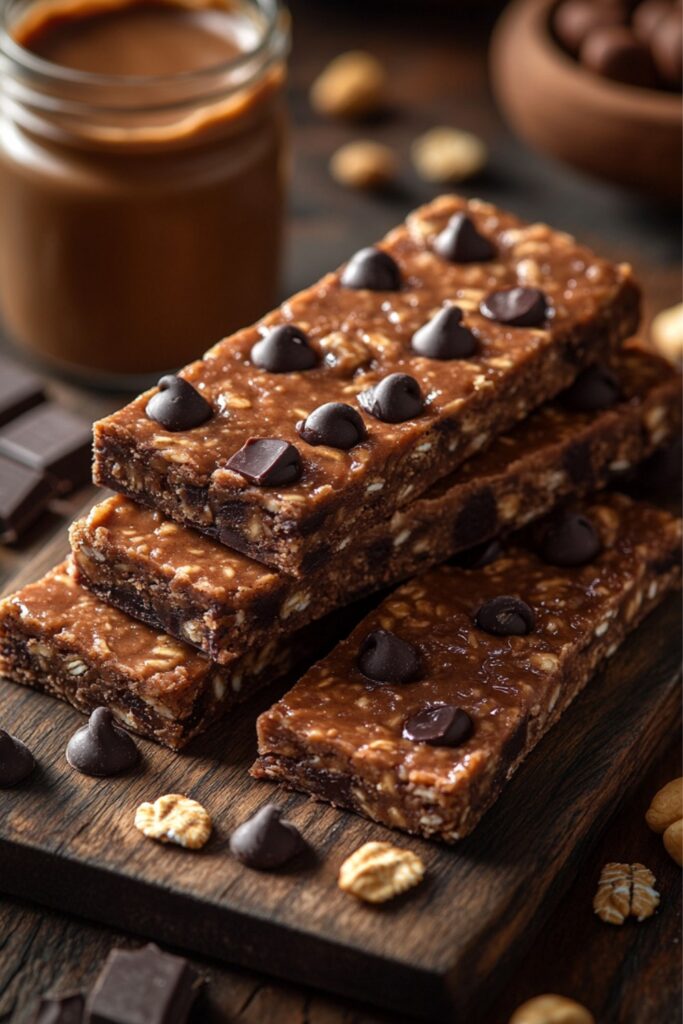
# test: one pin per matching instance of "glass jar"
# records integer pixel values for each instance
(140, 216)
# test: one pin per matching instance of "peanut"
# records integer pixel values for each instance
(666, 333)
(673, 841)
(364, 165)
(551, 1009)
(351, 86)
(666, 806)
(447, 155)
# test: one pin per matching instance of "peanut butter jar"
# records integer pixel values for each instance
(142, 155)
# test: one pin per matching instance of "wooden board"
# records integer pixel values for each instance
(439, 952)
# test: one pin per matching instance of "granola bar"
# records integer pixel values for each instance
(460, 323)
(222, 602)
(420, 716)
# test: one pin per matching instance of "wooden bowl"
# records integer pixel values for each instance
(623, 133)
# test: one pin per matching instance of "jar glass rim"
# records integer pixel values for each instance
(273, 38)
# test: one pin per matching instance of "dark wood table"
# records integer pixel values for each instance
(437, 62)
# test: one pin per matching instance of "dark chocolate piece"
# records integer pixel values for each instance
(177, 405)
(595, 388)
(52, 441)
(395, 399)
(16, 760)
(568, 538)
(519, 307)
(64, 1009)
(267, 462)
(386, 658)
(444, 337)
(334, 424)
(460, 242)
(614, 52)
(19, 390)
(506, 615)
(265, 842)
(440, 726)
(101, 748)
(143, 986)
(373, 269)
(24, 494)
(284, 349)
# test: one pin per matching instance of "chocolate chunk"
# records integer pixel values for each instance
(444, 337)
(395, 399)
(615, 52)
(24, 494)
(574, 19)
(460, 242)
(479, 556)
(477, 519)
(143, 985)
(666, 45)
(284, 349)
(568, 538)
(519, 307)
(19, 390)
(441, 726)
(334, 424)
(267, 462)
(385, 658)
(16, 760)
(265, 841)
(594, 389)
(52, 441)
(373, 269)
(64, 1009)
(178, 405)
(505, 616)
(101, 748)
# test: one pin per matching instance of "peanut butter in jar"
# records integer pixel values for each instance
(141, 178)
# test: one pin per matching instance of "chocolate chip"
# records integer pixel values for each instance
(385, 658)
(477, 519)
(373, 269)
(444, 337)
(614, 52)
(16, 760)
(265, 841)
(568, 538)
(267, 462)
(519, 307)
(65, 1009)
(177, 405)
(479, 556)
(594, 389)
(334, 424)
(101, 748)
(460, 242)
(284, 349)
(505, 616)
(395, 399)
(441, 726)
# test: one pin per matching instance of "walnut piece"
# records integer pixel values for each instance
(351, 86)
(551, 1009)
(175, 819)
(377, 872)
(666, 806)
(364, 164)
(625, 890)
(447, 155)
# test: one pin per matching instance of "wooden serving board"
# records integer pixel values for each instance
(439, 952)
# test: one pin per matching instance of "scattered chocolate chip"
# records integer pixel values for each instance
(505, 616)
(568, 538)
(284, 349)
(386, 658)
(101, 748)
(177, 405)
(594, 389)
(334, 424)
(442, 726)
(519, 307)
(614, 52)
(267, 462)
(479, 556)
(373, 269)
(395, 399)
(16, 760)
(65, 1009)
(444, 337)
(460, 242)
(137, 985)
(265, 841)
(574, 19)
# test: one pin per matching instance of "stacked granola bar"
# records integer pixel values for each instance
(442, 390)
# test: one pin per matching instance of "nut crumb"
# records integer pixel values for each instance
(351, 86)
(448, 155)
(376, 872)
(625, 890)
(551, 1009)
(364, 164)
(175, 819)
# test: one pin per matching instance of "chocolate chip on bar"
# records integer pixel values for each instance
(445, 337)
(143, 985)
(177, 405)
(519, 307)
(594, 389)
(441, 726)
(460, 242)
(395, 399)
(334, 424)
(284, 349)
(372, 269)
(506, 615)
(568, 538)
(386, 658)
